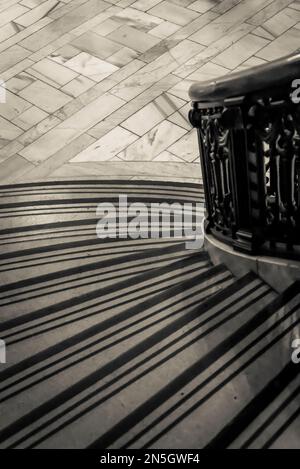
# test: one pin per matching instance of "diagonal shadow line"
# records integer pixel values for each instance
(102, 264)
(275, 414)
(94, 295)
(129, 382)
(185, 377)
(153, 355)
(255, 407)
(71, 321)
(100, 243)
(129, 355)
(282, 429)
(222, 384)
(94, 330)
(117, 274)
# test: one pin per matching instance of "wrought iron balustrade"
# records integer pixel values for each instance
(248, 127)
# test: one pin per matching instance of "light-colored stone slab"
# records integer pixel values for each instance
(8, 132)
(283, 45)
(153, 143)
(71, 128)
(79, 85)
(133, 38)
(96, 45)
(173, 13)
(37, 13)
(13, 106)
(90, 66)
(106, 147)
(29, 118)
(155, 112)
(138, 19)
(240, 51)
(186, 147)
(44, 96)
(53, 73)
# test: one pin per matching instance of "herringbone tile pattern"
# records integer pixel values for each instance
(98, 88)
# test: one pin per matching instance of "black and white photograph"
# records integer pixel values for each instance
(149, 229)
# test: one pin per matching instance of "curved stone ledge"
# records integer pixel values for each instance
(279, 273)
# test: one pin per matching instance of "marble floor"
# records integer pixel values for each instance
(94, 88)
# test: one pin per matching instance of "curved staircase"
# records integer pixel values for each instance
(135, 343)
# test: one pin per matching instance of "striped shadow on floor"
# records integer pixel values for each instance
(133, 343)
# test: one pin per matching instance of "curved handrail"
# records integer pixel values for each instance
(248, 127)
(277, 73)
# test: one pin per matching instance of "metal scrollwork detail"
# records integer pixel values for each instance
(275, 126)
(216, 144)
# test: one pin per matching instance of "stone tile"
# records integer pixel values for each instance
(133, 38)
(203, 5)
(261, 32)
(115, 91)
(208, 53)
(208, 71)
(295, 5)
(153, 143)
(191, 28)
(12, 56)
(150, 115)
(106, 27)
(252, 62)
(182, 3)
(270, 10)
(144, 78)
(90, 66)
(63, 25)
(31, 135)
(11, 13)
(44, 96)
(71, 128)
(31, 3)
(79, 85)
(13, 167)
(180, 117)
(13, 106)
(156, 70)
(29, 118)
(220, 25)
(95, 45)
(181, 89)
(37, 13)
(164, 29)
(8, 30)
(225, 5)
(64, 54)
(137, 19)
(8, 132)
(144, 5)
(133, 106)
(283, 45)
(123, 57)
(19, 82)
(173, 13)
(106, 147)
(186, 147)
(240, 51)
(52, 73)
(58, 159)
(9, 150)
(281, 22)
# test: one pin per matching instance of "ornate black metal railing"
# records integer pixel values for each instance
(249, 136)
